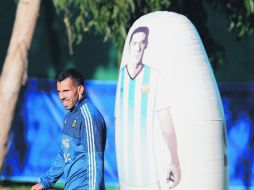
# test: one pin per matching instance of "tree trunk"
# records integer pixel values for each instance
(14, 73)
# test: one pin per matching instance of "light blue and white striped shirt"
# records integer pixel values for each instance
(135, 112)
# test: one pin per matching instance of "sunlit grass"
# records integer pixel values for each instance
(29, 187)
(16, 186)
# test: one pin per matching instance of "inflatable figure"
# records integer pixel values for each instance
(170, 128)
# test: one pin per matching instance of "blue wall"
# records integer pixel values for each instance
(238, 106)
(35, 136)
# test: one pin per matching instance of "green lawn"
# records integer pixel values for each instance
(27, 186)
(15, 188)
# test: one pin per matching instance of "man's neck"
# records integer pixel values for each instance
(79, 98)
(134, 69)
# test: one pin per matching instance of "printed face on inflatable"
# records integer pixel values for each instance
(138, 43)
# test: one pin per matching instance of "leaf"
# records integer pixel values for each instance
(231, 26)
(79, 38)
(132, 5)
(122, 31)
(249, 5)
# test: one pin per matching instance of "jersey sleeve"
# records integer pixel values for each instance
(93, 137)
(54, 173)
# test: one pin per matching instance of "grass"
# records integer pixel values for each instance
(26, 187)
(7, 185)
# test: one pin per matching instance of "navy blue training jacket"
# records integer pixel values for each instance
(81, 157)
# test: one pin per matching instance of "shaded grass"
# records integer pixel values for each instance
(10, 185)
(26, 187)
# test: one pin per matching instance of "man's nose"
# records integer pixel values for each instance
(61, 96)
(138, 47)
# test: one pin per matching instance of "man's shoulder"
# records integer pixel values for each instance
(151, 69)
(123, 68)
(87, 106)
(89, 111)
(85, 103)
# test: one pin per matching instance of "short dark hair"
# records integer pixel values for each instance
(143, 29)
(76, 76)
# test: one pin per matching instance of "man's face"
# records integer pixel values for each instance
(137, 46)
(68, 92)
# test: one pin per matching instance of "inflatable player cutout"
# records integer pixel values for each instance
(170, 127)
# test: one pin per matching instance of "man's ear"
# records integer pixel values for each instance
(81, 91)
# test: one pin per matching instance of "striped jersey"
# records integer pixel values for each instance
(137, 101)
(81, 156)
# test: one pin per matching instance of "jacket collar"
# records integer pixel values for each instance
(78, 104)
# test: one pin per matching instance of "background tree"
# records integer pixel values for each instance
(112, 19)
(14, 72)
(240, 15)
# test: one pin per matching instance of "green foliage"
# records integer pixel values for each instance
(110, 18)
(240, 15)
(113, 18)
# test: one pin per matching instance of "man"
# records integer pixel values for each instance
(146, 144)
(81, 157)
